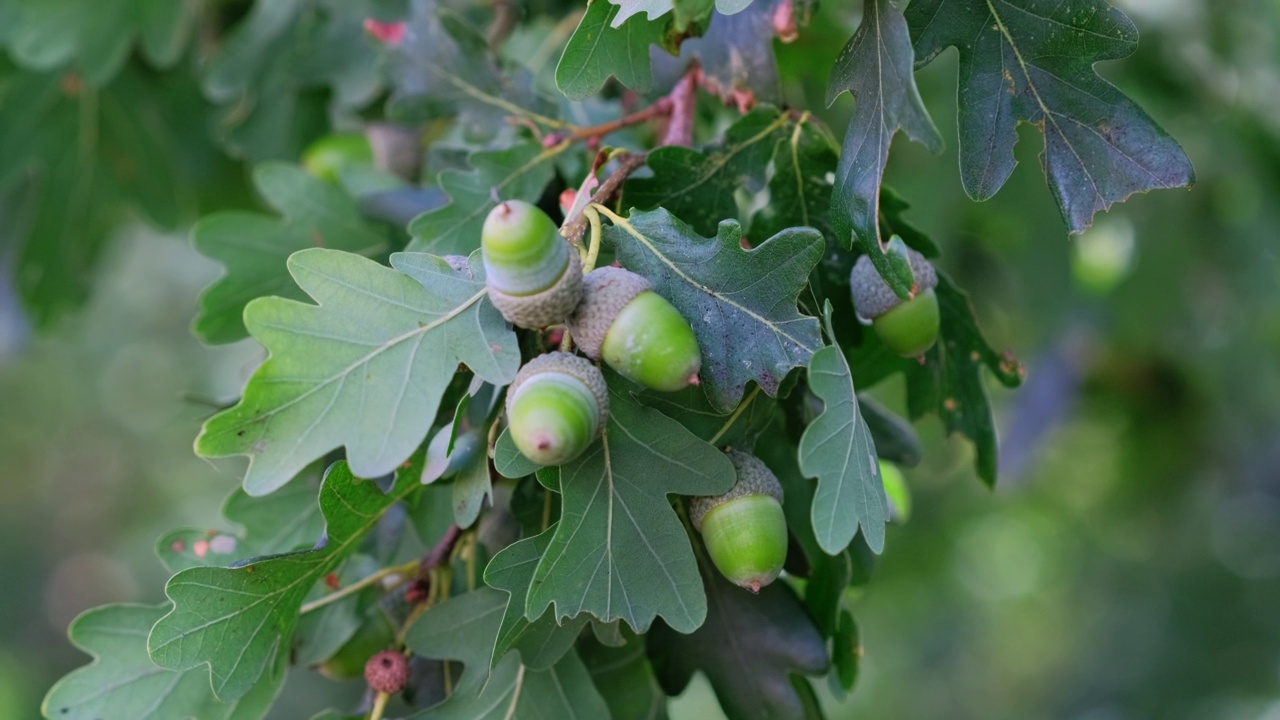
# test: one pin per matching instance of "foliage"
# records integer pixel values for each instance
(385, 369)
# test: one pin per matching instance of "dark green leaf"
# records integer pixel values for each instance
(740, 303)
(366, 368)
(691, 408)
(799, 191)
(598, 51)
(701, 187)
(624, 677)
(235, 619)
(949, 382)
(254, 247)
(1032, 61)
(896, 441)
(876, 66)
(619, 551)
(122, 683)
(735, 53)
(464, 628)
(516, 173)
(748, 648)
(846, 652)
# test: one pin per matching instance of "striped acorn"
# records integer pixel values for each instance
(556, 407)
(622, 321)
(744, 529)
(534, 276)
(907, 327)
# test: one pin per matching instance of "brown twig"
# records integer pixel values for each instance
(440, 551)
(683, 97)
(627, 164)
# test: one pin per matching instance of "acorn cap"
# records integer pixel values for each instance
(605, 292)
(754, 478)
(549, 307)
(569, 364)
(872, 296)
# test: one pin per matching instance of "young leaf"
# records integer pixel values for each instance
(699, 187)
(1032, 61)
(748, 649)
(235, 619)
(876, 67)
(598, 51)
(837, 449)
(253, 247)
(515, 173)
(949, 382)
(122, 683)
(619, 550)
(464, 629)
(541, 642)
(741, 303)
(285, 520)
(366, 368)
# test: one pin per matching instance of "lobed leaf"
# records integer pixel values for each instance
(1032, 61)
(254, 248)
(740, 303)
(598, 51)
(234, 620)
(542, 641)
(619, 551)
(366, 368)
(876, 66)
(122, 683)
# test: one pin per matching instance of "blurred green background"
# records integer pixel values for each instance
(1127, 565)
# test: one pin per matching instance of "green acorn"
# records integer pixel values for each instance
(744, 529)
(635, 330)
(534, 276)
(908, 328)
(556, 407)
(327, 157)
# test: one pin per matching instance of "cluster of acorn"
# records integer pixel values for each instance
(558, 403)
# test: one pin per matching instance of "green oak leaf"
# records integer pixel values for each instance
(541, 642)
(122, 683)
(270, 73)
(598, 51)
(625, 678)
(740, 303)
(234, 619)
(691, 408)
(772, 635)
(253, 247)
(799, 191)
(896, 440)
(464, 628)
(619, 551)
(876, 66)
(285, 520)
(1032, 61)
(366, 368)
(735, 52)
(949, 382)
(846, 651)
(94, 37)
(518, 172)
(75, 160)
(701, 187)
(837, 449)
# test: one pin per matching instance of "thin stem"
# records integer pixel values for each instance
(355, 587)
(593, 248)
(379, 706)
(742, 406)
(659, 108)
(627, 164)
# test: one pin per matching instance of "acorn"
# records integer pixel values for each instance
(533, 275)
(327, 157)
(907, 327)
(744, 529)
(622, 321)
(556, 407)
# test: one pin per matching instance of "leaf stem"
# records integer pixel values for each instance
(379, 706)
(627, 164)
(355, 587)
(742, 406)
(593, 248)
